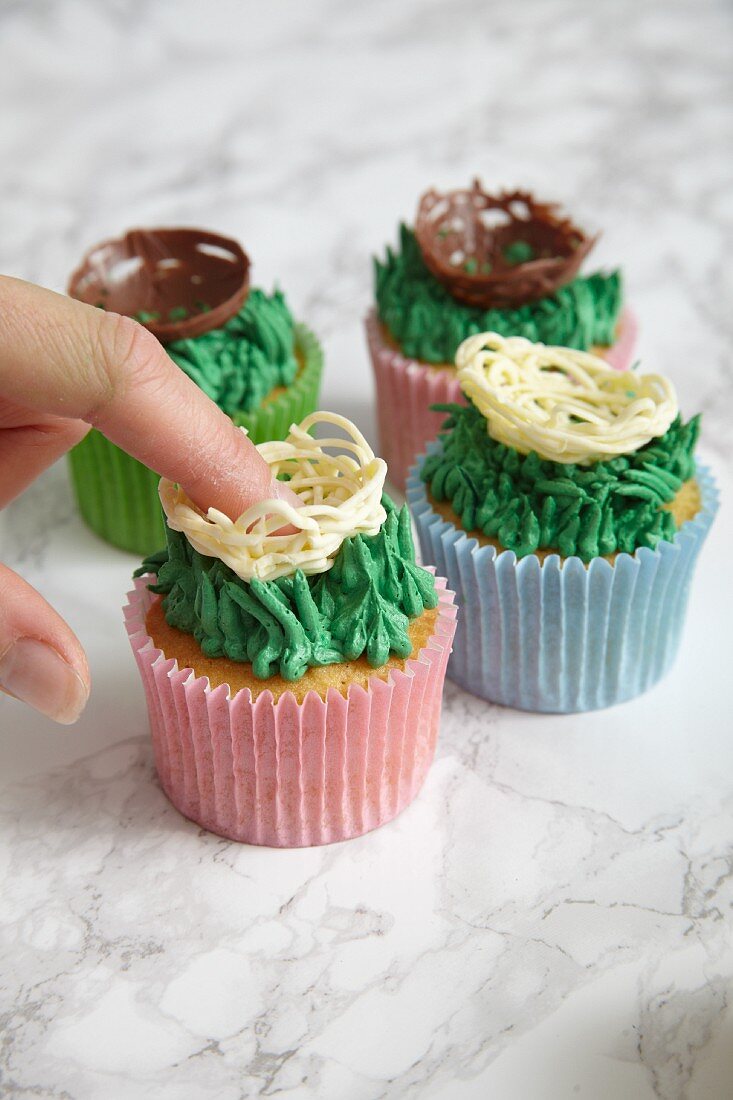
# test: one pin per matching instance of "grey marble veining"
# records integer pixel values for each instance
(552, 918)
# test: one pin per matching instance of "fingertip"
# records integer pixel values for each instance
(35, 673)
(42, 662)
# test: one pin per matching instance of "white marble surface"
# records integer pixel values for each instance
(552, 918)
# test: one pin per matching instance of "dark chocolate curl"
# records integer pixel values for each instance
(498, 251)
(177, 282)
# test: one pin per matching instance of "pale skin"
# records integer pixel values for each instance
(66, 367)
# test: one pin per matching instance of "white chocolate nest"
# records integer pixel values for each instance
(341, 497)
(568, 406)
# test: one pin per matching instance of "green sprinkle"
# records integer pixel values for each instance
(144, 315)
(178, 313)
(470, 266)
(202, 307)
(518, 252)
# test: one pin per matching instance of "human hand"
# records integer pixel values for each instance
(65, 367)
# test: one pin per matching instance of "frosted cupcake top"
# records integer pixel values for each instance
(190, 288)
(340, 494)
(343, 584)
(556, 451)
(429, 324)
(566, 406)
(239, 364)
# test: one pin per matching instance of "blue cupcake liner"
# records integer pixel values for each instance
(560, 637)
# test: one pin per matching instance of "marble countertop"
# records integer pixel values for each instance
(552, 918)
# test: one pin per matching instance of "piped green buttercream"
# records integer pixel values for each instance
(362, 605)
(528, 503)
(429, 324)
(242, 362)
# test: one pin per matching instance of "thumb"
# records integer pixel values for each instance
(41, 660)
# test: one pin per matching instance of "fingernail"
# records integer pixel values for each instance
(282, 491)
(36, 674)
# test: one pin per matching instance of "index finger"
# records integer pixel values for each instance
(75, 361)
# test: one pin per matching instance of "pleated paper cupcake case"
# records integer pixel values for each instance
(557, 636)
(406, 389)
(291, 774)
(620, 353)
(118, 496)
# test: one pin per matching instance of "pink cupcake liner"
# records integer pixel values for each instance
(620, 353)
(406, 389)
(288, 774)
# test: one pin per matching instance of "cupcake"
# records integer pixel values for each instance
(293, 680)
(476, 262)
(239, 344)
(566, 508)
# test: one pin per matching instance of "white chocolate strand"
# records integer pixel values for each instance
(340, 493)
(568, 406)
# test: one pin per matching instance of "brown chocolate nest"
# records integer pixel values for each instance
(498, 251)
(176, 282)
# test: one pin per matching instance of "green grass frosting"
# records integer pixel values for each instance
(242, 362)
(528, 503)
(429, 324)
(362, 605)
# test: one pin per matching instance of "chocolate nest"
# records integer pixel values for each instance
(498, 251)
(178, 282)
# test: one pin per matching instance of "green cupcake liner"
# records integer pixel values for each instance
(118, 496)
